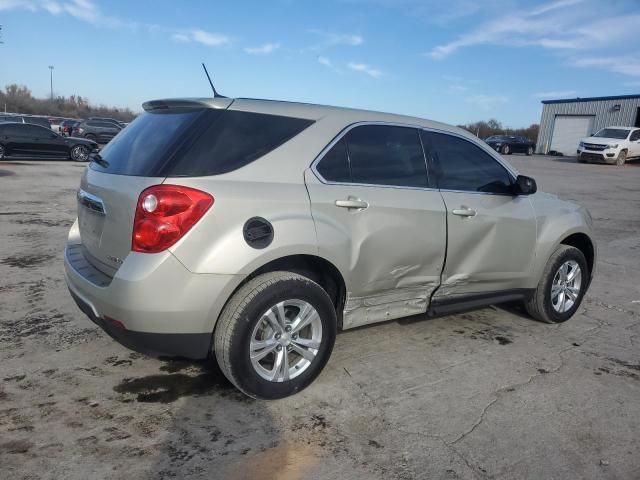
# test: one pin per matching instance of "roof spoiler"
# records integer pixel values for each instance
(218, 102)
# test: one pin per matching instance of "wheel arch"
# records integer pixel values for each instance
(316, 268)
(582, 242)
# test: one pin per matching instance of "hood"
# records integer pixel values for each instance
(601, 140)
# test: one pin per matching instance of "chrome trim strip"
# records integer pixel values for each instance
(93, 203)
(350, 127)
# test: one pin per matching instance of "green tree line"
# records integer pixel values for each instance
(484, 129)
(19, 99)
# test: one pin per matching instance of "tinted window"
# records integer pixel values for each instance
(384, 155)
(635, 136)
(334, 166)
(11, 129)
(461, 165)
(612, 133)
(144, 147)
(232, 140)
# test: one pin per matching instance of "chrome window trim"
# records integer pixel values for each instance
(350, 127)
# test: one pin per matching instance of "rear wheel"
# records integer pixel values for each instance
(275, 335)
(80, 153)
(506, 150)
(622, 158)
(530, 151)
(91, 136)
(561, 288)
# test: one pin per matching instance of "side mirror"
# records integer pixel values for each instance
(525, 186)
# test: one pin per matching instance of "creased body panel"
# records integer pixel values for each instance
(390, 253)
(491, 251)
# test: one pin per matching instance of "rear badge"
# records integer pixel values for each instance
(115, 259)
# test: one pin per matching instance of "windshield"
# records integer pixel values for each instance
(612, 133)
(496, 137)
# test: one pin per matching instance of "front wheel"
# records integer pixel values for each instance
(275, 335)
(622, 158)
(506, 150)
(561, 288)
(79, 153)
(529, 151)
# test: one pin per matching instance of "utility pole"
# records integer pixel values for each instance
(51, 79)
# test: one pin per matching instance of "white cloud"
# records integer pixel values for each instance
(364, 68)
(332, 39)
(557, 25)
(555, 94)
(17, 5)
(626, 64)
(457, 88)
(486, 102)
(210, 39)
(325, 61)
(263, 49)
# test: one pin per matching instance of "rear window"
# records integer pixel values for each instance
(196, 142)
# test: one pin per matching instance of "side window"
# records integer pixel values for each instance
(461, 165)
(386, 155)
(334, 166)
(635, 136)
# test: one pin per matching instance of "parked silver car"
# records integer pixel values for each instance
(255, 230)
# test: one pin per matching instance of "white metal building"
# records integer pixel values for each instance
(565, 122)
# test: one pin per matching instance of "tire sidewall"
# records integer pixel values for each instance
(241, 366)
(571, 254)
(3, 152)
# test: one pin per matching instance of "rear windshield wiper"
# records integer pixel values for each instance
(96, 158)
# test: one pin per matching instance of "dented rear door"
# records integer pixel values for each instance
(388, 241)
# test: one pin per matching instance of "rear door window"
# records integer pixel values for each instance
(386, 155)
(462, 166)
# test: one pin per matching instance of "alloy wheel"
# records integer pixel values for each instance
(1, 152)
(565, 288)
(79, 153)
(286, 340)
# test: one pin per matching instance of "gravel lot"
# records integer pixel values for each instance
(487, 394)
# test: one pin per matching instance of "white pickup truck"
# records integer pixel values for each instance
(610, 145)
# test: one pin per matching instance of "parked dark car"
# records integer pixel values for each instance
(66, 127)
(100, 131)
(107, 119)
(26, 119)
(21, 140)
(508, 144)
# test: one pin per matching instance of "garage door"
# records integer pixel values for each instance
(567, 132)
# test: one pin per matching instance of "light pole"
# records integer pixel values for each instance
(51, 79)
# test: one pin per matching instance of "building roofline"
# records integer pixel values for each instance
(590, 99)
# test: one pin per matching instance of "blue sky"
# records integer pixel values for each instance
(455, 61)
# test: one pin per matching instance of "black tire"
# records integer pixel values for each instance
(242, 313)
(2, 152)
(622, 158)
(539, 304)
(91, 136)
(79, 153)
(506, 150)
(529, 151)
(581, 160)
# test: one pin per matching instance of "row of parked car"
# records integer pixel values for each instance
(36, 137)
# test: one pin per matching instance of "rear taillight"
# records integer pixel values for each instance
(164, 214)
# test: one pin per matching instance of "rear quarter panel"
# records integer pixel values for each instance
(216, 243)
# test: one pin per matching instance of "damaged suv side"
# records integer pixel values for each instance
(254, 230)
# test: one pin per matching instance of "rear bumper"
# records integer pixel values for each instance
(153, 304)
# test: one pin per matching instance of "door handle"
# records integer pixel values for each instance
(464, 212)
(352, 203)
